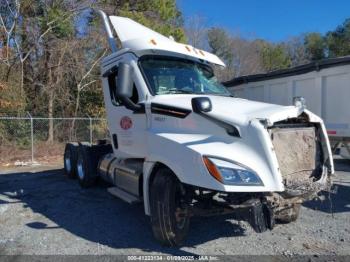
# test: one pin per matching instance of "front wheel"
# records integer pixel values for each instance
(170, 216)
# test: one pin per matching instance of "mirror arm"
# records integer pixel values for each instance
(230, 129)
(202, 106)
(130, 104)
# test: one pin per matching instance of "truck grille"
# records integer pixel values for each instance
(298, 154)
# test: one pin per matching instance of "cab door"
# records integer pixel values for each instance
(127, 128)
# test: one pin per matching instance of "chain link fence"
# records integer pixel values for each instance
(30, 139)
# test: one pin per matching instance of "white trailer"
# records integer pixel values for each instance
(183, 145)
(325, 85)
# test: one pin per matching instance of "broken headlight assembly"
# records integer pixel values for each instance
(230, 173)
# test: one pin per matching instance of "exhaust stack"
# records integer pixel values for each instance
(110, 37)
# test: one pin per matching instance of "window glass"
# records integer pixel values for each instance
(180, 76)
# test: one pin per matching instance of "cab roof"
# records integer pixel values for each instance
(138, 37)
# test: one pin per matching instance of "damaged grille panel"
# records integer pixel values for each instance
(298, 154)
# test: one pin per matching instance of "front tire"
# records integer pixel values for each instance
(170, 216)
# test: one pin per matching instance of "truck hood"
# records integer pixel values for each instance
(232, 109)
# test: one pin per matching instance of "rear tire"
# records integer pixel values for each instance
(70, 159)
(86, 166)
(169, 209)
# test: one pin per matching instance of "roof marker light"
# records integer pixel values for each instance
(153, 42)
(188, 49)
(201, 52)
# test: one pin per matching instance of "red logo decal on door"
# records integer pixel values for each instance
(125, 122)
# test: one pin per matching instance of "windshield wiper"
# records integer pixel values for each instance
(181, 91)
(178, 91)
(213, 94)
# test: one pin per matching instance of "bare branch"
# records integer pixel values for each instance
(87, 84)
(80, 86)
(50, 27)
(9, 32)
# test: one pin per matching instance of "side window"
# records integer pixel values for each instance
(112, 83)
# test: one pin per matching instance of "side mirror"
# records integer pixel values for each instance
(125, 87)
(201, 104)
(124, 81)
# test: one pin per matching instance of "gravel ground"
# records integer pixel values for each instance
(43, 212)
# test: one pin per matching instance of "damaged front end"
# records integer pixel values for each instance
(299, 149)
(304, 163)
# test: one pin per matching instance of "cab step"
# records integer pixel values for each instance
(127, 197)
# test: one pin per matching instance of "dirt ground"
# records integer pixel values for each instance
(44, 212)
(44, 153)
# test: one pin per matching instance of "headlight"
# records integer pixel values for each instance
(231, 173)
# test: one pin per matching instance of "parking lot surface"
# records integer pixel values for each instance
(44, 212)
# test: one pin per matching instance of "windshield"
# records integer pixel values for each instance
(180, 76)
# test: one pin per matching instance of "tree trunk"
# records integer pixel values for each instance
(77, 101)
(50, 91)
(8, 72)
(22, 79)
(50, 114)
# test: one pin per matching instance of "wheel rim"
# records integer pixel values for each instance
(68, 162)
(80, 169)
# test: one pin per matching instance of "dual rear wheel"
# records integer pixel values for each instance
(81, 161)
(70, 159)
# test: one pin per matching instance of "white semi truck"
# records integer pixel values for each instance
(184, 146)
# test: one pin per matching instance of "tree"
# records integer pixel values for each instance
(241, 56)
(9, 14)
(315, 46)
(196, 32)
(10, 102)
(219, 43)
(11, 99)
(274, 57)
(338, 41)
(162, 16)
(54, 47)
(297, 51)
(246, 56)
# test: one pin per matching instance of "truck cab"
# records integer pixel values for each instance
(183, 145)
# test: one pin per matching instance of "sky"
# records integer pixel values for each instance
(271, 20)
